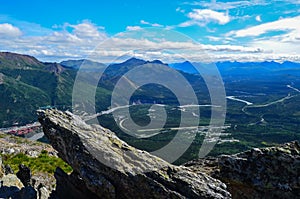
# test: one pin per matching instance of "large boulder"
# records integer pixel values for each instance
(9, 185)
(20, 186)
(107, 167)
(11, 180)
(272, 172)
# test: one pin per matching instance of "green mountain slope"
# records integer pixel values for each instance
(18, 101)
(27, 84)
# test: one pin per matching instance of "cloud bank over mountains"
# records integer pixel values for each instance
(228, 31)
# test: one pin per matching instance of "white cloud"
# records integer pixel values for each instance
(218, 5)
(144, 22)
(287, 24)
(156, 25)
(73, 40)
(232, 48)
(170, 51)
(150, 24)
(8, 30)
(179, 9)
(278, 47)
(86, 29)
(294, 1)
(76, 41)
(283, 44)
(212, 38)
(129, 28)
(188, 23)
(258, 18)
(204, 16)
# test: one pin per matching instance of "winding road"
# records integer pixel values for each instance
(251, 105)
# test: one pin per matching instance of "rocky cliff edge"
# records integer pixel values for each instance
(106, 167)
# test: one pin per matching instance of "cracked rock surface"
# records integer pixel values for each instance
(107, 167)
(272, 172)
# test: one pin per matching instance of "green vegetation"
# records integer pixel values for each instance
(43, 163)
(29, 84)
(255, 127)
(19, 102)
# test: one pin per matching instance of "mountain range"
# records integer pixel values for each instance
(27, 83)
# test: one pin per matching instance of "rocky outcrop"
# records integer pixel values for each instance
(12, 145)
(24, 174)
(9, 183)
(272, 172)
(73, 183)
(54, 68)
(106, 167)
(21, 185)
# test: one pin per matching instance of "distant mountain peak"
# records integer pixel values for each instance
(134, 61)
(157, 62)
(15, 55)
(137, 61)
(14, 60)
(185, 66)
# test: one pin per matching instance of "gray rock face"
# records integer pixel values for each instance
(259, 173)
(19, 186)
(71, 186)
(107, 167)
(1, 168)
(10, 185)
(24, 174)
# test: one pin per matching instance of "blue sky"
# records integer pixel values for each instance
(55, 30)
